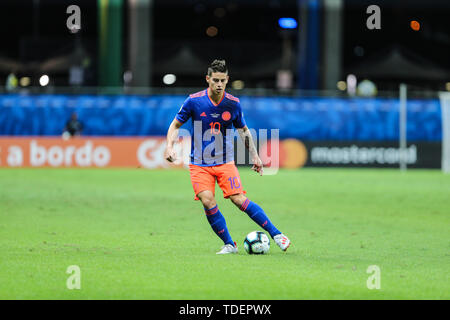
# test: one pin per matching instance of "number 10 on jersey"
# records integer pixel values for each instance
(215, 127)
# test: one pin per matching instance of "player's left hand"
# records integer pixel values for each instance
(257, 165)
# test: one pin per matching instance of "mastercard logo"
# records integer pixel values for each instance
(292, 154)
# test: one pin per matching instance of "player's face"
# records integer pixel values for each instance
(217, 82)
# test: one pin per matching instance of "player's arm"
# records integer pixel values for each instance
(172, 136)
(247, 138)
(182, 116)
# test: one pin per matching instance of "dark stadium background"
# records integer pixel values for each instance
(248, 36)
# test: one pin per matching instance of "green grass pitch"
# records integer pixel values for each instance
(138, 234)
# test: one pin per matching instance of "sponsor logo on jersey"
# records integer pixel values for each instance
(215, 115)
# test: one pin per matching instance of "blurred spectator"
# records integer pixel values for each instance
(11, 82)
(76, 74)
(73, 127)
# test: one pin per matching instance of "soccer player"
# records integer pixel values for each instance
(214, 112)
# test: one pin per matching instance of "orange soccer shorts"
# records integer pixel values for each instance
(227, 176)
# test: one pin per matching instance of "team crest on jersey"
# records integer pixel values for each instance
(226, 116)
(215, 115)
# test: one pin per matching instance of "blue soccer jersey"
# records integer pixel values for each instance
(212, 133)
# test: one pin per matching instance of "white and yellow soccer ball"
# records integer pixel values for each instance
(257, 242)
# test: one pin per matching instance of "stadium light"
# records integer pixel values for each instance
(220, 12)
(342, 85)
(169, 79)
(44, 80)
(238, 84)
(287, 23)
(212, 31)
(25, 81)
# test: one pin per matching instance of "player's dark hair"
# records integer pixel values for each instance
(217, 66)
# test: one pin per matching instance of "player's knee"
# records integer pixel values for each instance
(238, 199)
(209, 203)
(207, 199)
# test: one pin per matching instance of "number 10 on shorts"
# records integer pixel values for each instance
(234, 182)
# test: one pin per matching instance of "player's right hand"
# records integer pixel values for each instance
(170, 155)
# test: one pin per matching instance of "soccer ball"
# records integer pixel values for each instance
(257, 242)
